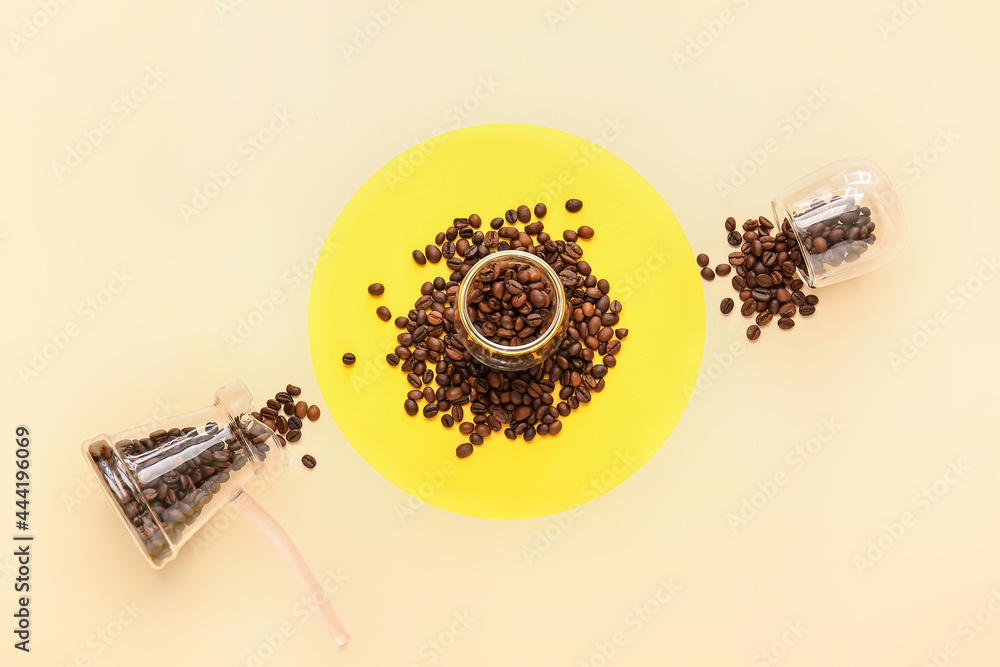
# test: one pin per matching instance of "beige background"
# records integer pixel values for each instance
(158, 345)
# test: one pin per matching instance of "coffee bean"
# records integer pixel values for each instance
(293, 435)
(383, 313)
(313, 413)
(702, 259)
(418, 257)
(464, 450)
(433, 254)
(570, 236)
(475, 221)
(723, 269)
(349, 359)
(739, 283)
(621, 333)
(573, 205)
(411, 407)
(392, 359)
(496, 223)
(511, 216)
(753, 332)
(812, 299)
(294, 422)
(806, 310)
(309, 461)
(763, 318)
(730, 224)
(787, 310)
(734, 239)
(540, 210)
(376, 289)
(726, 306)
(585, 232)
(523, 213)
(708, 274)
(447, 421)
(786, 323)
(293, 390)
(430, 410)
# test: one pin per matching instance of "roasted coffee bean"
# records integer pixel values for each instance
(447, 421)
(293, 435)
(392, 359)
(475, 221)
(294, 422)
(418, 257)
(376, 289)
(496, 223)
(812, 299)
(511, 216)
(411, 407)
(540, 210)
(621, 333)
(293, 390)
(708, 274)
(806, 310)
(349, 359)
(523, 213)
(763, 318)
(585, 232)
(383, 313)
(573, 205)
(313, 413)
(464, 450)
(726, 306)
(734, 239)
(309, 461)
(786, 323)
(300, 409)
(787, 310)
(753, 332)
(723, 269)
(430, 410)
(702, 259)
(433, 254)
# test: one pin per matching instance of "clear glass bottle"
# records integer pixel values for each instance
(520, 357)
(166, 480)
(847, 219)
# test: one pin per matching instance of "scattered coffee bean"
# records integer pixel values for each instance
(392, 359)
(726, 306)
(540, 210)
(573, 205)
(708, 274)
(702, 259)
(376, 289)
(293, 390)
(293, 435)
(383, 313)
(464, 450)
(786, 323)
(723, 269)
(349, 359)
(753, 332)
(523, 213)
(418, 257)
(309, 461)
(300, 409)
(511, 216)
(313, 413)
(585, 232)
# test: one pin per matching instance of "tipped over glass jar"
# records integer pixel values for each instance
(847, 219)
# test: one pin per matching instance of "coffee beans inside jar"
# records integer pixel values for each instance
(509, 304)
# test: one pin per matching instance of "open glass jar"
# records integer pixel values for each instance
(847, 219)
(478, 321)
(168, 479)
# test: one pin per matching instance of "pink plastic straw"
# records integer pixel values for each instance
(305, 575)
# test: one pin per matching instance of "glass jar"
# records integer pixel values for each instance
(847, 220)
(526, 355)
(168, 479)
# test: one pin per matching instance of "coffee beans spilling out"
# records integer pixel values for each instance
(289, 424)
(163, 481)
(842, 231)
(766, 277)
(510, 304)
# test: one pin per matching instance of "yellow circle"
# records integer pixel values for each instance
(639, 247)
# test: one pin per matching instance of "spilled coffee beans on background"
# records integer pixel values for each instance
(766, 275)
(510, 304)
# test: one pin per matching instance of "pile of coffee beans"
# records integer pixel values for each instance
(284, 414)
(842, 230)
(174, 474)
(766, 277)
(510, 304)
(481, 400)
